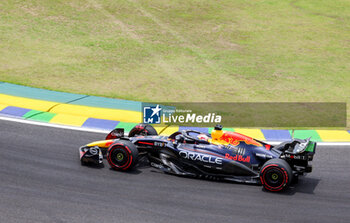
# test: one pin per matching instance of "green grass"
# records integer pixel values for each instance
(161, 50)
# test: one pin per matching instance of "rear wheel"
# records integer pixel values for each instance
(276, 175)
(142, 129)
(122, 155)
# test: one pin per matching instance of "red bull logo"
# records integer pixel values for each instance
(238, 158)
(235, 139)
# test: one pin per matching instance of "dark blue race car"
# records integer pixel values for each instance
(220, 155)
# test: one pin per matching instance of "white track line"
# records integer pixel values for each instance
(318, 143)
(24, 121)
(6, 118)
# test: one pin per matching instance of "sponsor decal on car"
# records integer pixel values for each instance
(238, 158)
(297, 157)
(160, 144)
(200, 157)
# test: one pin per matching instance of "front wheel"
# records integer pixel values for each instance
(122, 155)
(142, 130)
(276, 175)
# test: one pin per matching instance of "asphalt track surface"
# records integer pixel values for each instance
(41, 180)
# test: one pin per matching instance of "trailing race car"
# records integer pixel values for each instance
(221, 155)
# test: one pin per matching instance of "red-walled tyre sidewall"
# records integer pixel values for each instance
(122, 155)
(276, 175)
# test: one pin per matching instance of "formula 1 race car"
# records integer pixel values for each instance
(219, 155)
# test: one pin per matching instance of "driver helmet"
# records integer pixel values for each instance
(203, 136)
(217, 133)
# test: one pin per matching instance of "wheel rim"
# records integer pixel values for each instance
(119, 157)
(274, 178)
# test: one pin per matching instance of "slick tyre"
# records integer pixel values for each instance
(276, 175)
(122, 155)
(143, 130)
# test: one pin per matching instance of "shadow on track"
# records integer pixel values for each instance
(304, 185)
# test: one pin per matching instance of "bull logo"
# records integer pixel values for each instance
(235, 141)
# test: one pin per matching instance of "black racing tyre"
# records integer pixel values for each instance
(143, 129)
(276, 175)
(122, 155)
